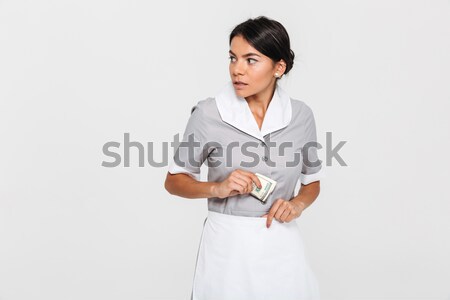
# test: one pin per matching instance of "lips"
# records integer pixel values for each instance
(239, 85)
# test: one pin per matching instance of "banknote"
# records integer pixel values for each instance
(268, 185)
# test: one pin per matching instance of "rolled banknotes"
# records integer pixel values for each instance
(268, 185)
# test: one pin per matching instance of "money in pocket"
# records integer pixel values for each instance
(268, 185)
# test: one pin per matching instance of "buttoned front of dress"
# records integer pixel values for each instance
(228, 138)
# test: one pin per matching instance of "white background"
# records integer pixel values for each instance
(75, 75)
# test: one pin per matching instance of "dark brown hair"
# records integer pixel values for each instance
(268, 37)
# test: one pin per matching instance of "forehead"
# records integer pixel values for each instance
(240, 46)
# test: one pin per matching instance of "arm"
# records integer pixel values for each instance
(311, 171)
(307, 194)
(238, 182)
(184, 179)
(185, 186)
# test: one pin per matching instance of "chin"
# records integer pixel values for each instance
(241, 93)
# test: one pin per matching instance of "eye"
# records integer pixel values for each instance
(251, 61)
(232, 58)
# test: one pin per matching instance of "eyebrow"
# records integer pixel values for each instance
(246, 55)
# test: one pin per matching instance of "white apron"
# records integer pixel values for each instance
(239, 258)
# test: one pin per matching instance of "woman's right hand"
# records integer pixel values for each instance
(238, 182)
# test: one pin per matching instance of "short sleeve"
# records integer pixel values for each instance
(191, 152)
(312, 169)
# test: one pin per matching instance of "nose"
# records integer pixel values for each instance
(237, 68)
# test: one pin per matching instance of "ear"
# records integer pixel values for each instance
(280, 67)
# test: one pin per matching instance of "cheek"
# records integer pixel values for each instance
(262, 72)
(258, 70)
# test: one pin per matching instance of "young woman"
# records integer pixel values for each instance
(251, 249)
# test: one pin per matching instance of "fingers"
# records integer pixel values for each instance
(284, 216)
(256, 180)
(236, 186)
(281, 210)
(272, 212)
(251, 176)
(245, 181)
(233, 193)
(238, 182)
(241, 182)
(286, 212)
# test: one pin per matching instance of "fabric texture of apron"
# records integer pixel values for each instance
(240, 258)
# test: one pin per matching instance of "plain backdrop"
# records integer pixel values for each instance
(75, 75)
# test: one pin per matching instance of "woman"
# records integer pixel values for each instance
(251, 249)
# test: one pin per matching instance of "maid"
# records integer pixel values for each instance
(251, 249)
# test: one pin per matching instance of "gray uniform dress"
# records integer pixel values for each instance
(223, 132)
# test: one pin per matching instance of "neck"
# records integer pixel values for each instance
(259, 103)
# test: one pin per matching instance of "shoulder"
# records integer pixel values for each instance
(206, 106)
(204, 113)
(300, 109)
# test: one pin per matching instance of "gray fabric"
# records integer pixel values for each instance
(215, 135)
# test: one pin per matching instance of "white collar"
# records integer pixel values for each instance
(235, 111)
